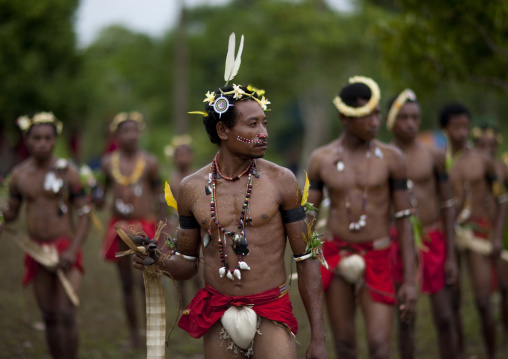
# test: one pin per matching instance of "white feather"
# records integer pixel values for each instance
(230, 57)
(232, 63)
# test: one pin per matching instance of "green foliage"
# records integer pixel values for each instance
(37, 61)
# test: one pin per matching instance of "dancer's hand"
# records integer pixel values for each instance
(451, 270)
(407, 299)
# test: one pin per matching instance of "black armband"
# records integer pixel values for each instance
(77, 194)
(398, 184)
(15, 196)
(188, 222)
(491, 178)
(442, 177)
(317, 185)
(293, 215)
(155, 182)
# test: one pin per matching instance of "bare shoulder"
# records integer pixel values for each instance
(390, 152)
(288, 190)
(19, 172)
(150, 158)
(324, 151)
(106, 160)
(195, 180)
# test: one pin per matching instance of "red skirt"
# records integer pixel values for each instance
(61, 244)
(110, 245)
(377, 276)
(433, 261)
(208, 306)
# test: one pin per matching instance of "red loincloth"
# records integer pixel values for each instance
(61, 244)
(208, 306)
(110, 245)
(377, 275)
(432, 271)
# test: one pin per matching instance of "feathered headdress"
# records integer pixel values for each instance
(219, 99)
(365, 109)
(405, 95)
(127, 116)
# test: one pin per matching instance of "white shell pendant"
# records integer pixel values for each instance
(378, 153)
(222, 272)
(230, 275)
(340, 166)
(206, 240)
(237, 273)
(243, 265)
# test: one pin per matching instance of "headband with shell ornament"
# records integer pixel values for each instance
(127, 116)
(487, 131)
(219, 99)
(375, 96)
(25, 122)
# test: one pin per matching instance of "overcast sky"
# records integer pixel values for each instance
(153, 17)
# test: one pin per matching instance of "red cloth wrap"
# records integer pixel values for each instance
(433, 260)
(110, 245)
(61, 244)
(208, 306)
(377, 276)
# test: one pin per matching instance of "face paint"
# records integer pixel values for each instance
(260, 139)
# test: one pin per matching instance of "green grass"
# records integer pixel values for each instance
(103, 332)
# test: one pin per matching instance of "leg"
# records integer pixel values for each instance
(480, 273)
(58, 312)
(443, 320)
(275, 341)
(378, 324)
(215, 347)
(502, 270)
(340, 302)
(127, 281)
(455, 292)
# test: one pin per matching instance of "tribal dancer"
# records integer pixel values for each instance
(248, 209)
(480, 215)
(133, 176)
(52, 190)
(364, 179)
(487, 138)
(430, 196)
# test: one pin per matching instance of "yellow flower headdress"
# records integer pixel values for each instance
(25, 122)
(219, 101)
(405, 95)
(183, 140)
(375, 96)
(487, 131)
(127, 116)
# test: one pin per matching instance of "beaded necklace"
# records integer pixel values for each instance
(239, 241)
(362, 221)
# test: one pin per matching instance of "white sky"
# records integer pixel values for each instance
(153, 17)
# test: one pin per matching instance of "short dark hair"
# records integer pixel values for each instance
(228, 117)
(350, 94)
(452, 109)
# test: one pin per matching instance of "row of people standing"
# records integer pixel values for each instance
(453, 200)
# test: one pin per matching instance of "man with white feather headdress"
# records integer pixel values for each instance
(246, 207)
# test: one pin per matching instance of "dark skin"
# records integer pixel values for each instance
(423, 164)
(275, 189)
(472, 168)
(357, 134)
(182, 158)
(128, 134)
(44, 224)
(489, 144)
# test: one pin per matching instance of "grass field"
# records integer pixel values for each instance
(103, 324)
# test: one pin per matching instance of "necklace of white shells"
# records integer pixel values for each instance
(362, 221)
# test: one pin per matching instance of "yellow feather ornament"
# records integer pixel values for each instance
(168, 195)
(305, 194)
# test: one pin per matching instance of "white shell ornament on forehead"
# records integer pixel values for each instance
(221, 105)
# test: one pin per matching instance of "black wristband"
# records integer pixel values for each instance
(398, 184)
(79, 193)
(188, 222)
(15, 196)
(293, 215)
